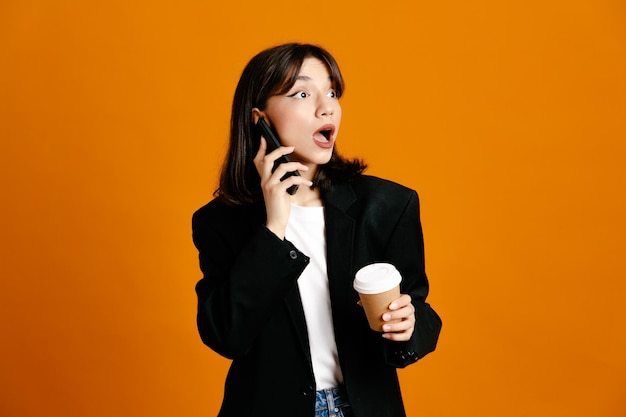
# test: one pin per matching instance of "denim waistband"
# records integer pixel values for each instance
(331, 399)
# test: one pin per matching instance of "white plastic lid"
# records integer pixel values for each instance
(376, 278)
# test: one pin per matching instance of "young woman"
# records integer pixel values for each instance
(277, 295)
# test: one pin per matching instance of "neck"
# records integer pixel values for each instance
(307, 197)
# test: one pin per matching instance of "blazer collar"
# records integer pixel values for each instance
(341, 196)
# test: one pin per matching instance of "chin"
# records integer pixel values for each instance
(319, 159)
(325, 160)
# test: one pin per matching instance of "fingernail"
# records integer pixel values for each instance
(387, 327)
(386, 317)
(393, 306)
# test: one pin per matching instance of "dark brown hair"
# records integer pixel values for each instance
(272, 72)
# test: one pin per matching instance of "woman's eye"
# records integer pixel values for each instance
(332, 94)
(299, 94)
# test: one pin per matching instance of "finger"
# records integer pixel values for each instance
(290, 181)
(399, 331)
(274, 186)
(405, 312)
(287, 167)
(258, 158)
(269, 160)
(264, 159)
(398, 326)
(399, 337)
(262, 148)
(278, 152)
(400, 302)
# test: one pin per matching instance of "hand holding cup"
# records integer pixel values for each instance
(378, 286)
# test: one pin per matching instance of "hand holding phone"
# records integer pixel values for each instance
(273, 143)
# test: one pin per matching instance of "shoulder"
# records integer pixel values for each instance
(375, 190)
(366, 192)
(368, 184)
(218, 213)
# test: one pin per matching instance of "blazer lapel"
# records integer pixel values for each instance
(339, 237)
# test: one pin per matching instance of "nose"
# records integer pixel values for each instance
(326, 106)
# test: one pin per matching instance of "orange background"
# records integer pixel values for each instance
(508, 117)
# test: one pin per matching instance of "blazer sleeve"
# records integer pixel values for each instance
(246, 276)
(405, 250)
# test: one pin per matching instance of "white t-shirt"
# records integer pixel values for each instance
(306, 230)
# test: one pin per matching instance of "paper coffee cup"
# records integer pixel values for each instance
(378, 285)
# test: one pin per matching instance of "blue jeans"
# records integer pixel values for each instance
(332, 402)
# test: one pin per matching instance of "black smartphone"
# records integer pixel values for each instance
(273, 143)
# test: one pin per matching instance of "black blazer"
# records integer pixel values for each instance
(249, 307)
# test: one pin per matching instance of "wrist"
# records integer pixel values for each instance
(278, 230)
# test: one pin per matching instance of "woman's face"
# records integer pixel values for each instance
(308, 116)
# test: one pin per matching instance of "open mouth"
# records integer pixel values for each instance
(325, 133)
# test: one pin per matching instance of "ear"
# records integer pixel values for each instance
(257, 114)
